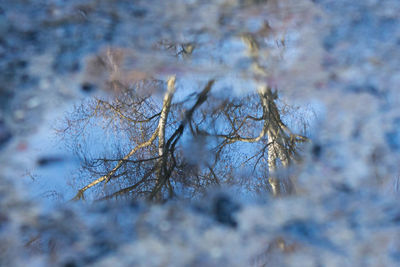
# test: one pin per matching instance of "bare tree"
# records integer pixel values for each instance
(158, 164)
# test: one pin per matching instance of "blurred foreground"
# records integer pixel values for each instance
(340, 58)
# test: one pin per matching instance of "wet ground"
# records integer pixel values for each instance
(341, 59)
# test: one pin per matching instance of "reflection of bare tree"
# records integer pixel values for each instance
(232, 133)
(278, 143)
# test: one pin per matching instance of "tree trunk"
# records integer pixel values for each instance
(162, 153)
(278, 145)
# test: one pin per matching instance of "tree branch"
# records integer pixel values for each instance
(107, 177)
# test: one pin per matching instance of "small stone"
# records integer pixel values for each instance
(87, 87)
(19, 114)
(33, 102)
(5, 134)
(47, 160)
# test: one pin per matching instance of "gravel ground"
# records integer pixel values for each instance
(345, 61)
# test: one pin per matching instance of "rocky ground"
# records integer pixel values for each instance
(346, 212)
